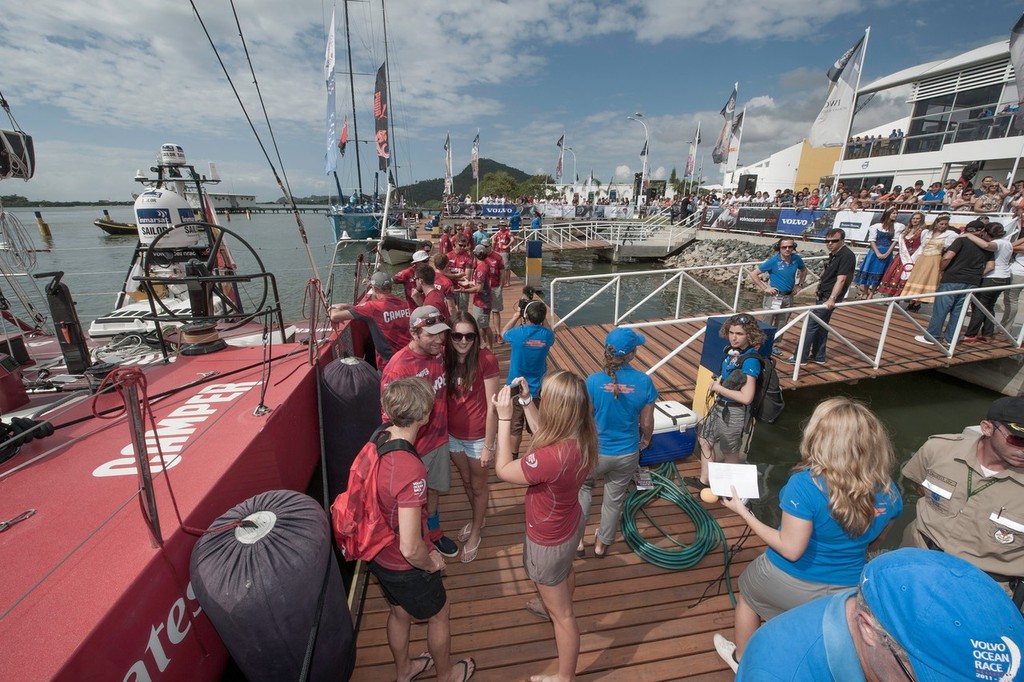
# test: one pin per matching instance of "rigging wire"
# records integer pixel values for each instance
(280, 183)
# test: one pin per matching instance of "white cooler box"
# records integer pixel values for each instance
(675, 433)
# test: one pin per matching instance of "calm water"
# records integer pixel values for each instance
(913, 406)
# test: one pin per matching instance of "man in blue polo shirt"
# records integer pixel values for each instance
(917, 615)
(529, 340)
(786, 274)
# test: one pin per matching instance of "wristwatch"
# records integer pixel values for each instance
(526, 402)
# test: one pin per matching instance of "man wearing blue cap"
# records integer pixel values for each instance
(623, 401)
(972, 495)
(918, 615)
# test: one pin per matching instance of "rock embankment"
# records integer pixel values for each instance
(729, 251)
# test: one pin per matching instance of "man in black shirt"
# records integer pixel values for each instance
(963, 265)
(835, 280)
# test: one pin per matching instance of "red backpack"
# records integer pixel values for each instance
(360, 528)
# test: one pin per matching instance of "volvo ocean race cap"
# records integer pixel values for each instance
(427, 318)
(954, 621)
(380, 281)
(624, 341)
(420, 256)
(1009, 411)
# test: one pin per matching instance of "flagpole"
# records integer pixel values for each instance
(853, 110)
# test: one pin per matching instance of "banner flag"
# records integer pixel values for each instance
(832, 126)
(331, 158)
(343, 140)
(734, 143)
(1017, 59)
(380, 116)
(558, 164)
(476, 157)
(448, 190)
(691, 157)
(721, 151)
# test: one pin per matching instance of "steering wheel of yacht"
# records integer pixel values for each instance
(210, 273)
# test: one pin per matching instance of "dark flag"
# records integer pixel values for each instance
(476, 157)
(380, 116)
(558, 164)
(721, 151)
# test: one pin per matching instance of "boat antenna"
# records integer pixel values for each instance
(282, 184)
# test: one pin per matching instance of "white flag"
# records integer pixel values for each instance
(331, 157)
(1017, 59)
(734, 143)
(448, 190)
(832, 126)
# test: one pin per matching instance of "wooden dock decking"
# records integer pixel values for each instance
(637, 621)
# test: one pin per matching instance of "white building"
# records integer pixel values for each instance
(960, 113)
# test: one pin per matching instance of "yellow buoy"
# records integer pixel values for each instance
(707, 496)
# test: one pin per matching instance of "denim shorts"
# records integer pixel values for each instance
(473, 448)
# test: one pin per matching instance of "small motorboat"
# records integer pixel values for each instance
(111, 226)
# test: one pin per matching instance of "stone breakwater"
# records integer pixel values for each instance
(727, 251)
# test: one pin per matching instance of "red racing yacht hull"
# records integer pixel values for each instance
(88, 593)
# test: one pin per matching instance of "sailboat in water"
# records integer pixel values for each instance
(359, 216)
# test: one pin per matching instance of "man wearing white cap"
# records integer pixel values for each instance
(407, 277)
(386, 316)
(918, 615)
(424, 357)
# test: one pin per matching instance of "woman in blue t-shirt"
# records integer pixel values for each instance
(839, 501)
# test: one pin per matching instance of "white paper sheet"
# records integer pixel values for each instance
(723, 476)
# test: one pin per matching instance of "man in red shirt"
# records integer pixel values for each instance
(407, 276)
(424, 357)
(460, 265)
(426, 293)
(503, 247)
(497, 264)
(409, 569)
(481, 290)
(386, 315)
(442, 282)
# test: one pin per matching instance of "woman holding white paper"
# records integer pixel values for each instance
(839, 500)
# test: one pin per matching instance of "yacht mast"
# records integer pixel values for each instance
(352, 89)
(391, 118)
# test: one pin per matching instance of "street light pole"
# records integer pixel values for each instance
(638, 117)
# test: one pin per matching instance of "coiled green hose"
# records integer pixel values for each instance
(668, 485)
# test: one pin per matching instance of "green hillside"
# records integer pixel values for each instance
(421, 192)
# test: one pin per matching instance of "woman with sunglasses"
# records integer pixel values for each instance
(472, 377)
(728, 421)
(838, 502)
(564, 451)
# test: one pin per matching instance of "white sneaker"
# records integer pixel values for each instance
(727, 650)
(924, 340)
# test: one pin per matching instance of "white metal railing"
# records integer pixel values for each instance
(677, 276)
(617, 232)
(870, 354)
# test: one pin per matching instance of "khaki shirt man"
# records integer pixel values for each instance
(972, 493)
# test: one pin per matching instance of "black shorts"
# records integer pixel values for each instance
(421, 594)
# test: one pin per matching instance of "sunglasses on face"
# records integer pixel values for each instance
(459, 336)
(833, 241)
(1015, 441)
(788, 246)
(427, 321)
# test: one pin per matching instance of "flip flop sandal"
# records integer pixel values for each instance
(468, 553)
(467, 674)
(536, 607)
(428, 663)
(467, 529)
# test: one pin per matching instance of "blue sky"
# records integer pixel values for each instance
(101, 84)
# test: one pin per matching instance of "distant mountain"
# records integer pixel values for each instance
(426, 190)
